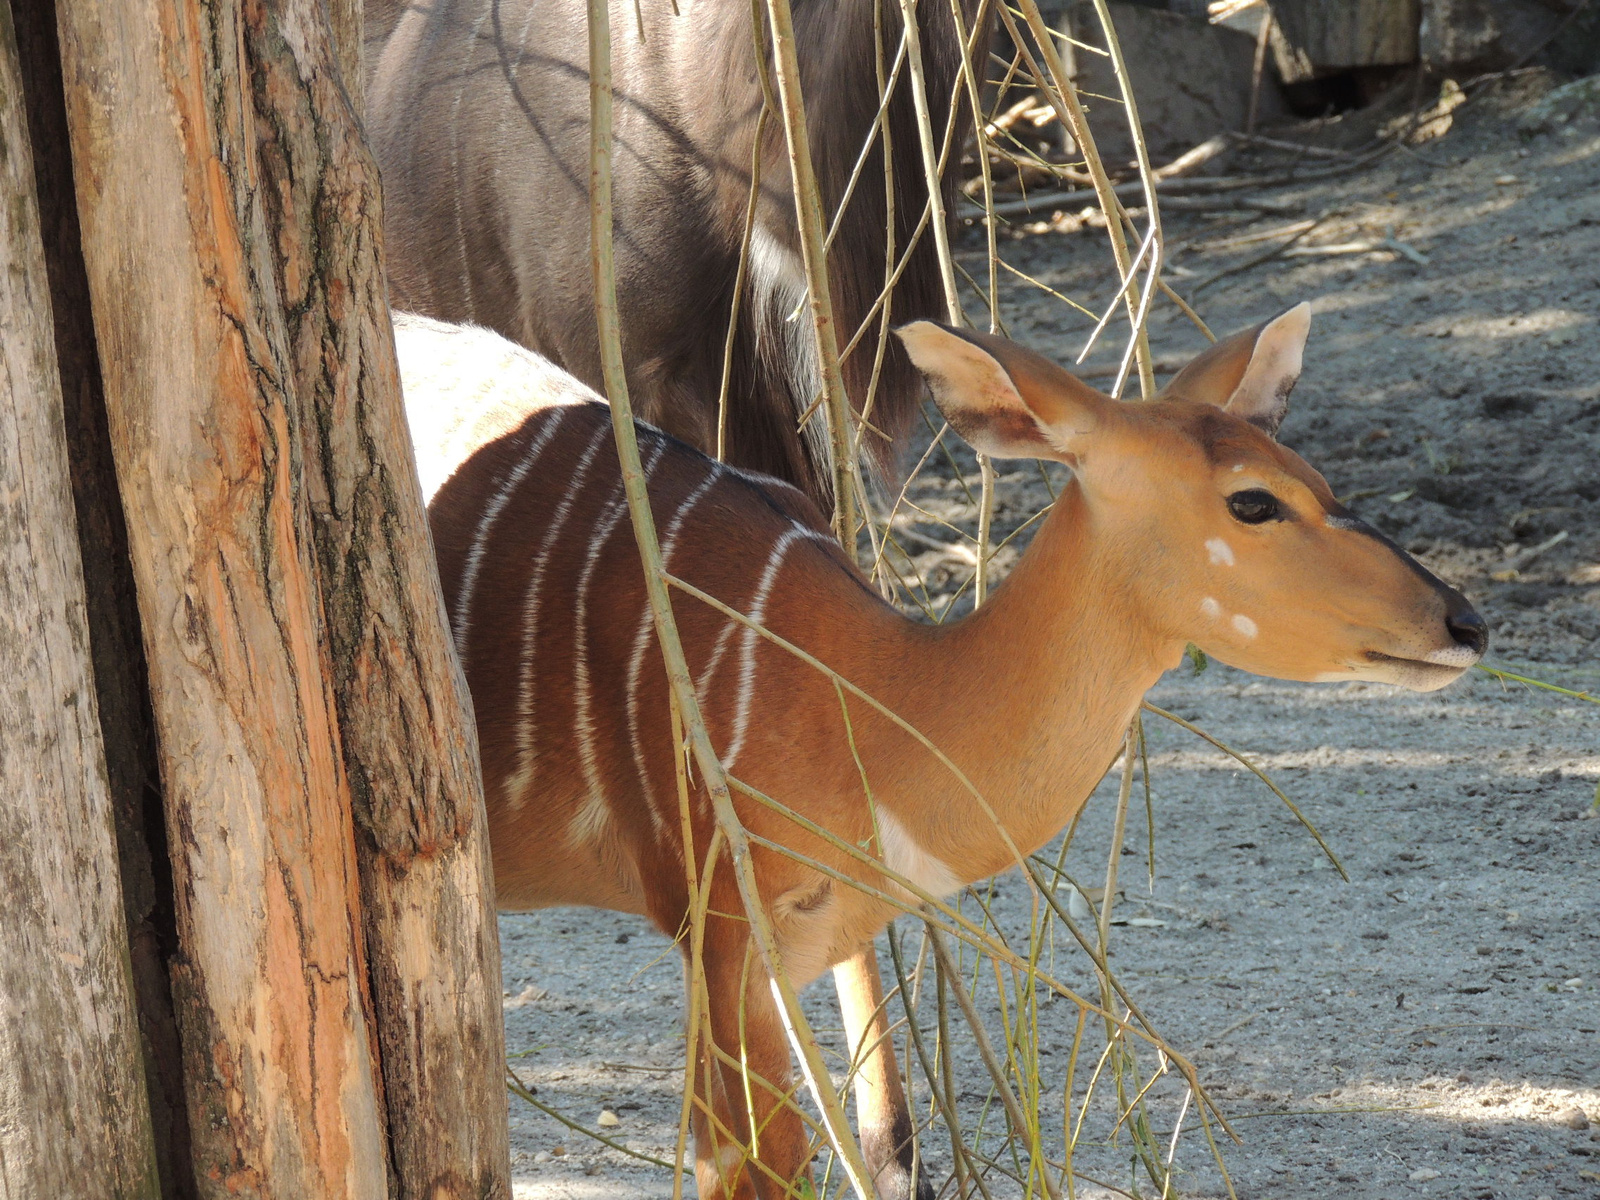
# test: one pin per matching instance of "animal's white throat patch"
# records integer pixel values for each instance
(1221, 553)
(903, 855)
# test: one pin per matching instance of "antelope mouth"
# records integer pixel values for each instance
(1429, 674)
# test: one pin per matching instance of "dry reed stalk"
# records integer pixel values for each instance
(808, 206)
(682, 685)
(1064, 98)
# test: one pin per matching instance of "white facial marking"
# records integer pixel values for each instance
(904, 856)
(1456, 656)
(1221, 553)
(1210, 608)
(1237, 467)
(1336, 522)
(1245, 626)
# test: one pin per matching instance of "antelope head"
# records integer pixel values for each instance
(1209, 530)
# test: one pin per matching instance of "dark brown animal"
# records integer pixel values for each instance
(478, 111)
(1185, 521)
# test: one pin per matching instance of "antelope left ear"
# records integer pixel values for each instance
(1250, 374)
(1006, 401)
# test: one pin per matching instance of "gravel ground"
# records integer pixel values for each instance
(1430, 1028)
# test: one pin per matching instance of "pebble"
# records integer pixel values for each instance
(542, 1157)
(558, 1151)
(1422, 1176)
(609, 1119)
(1573, 1118)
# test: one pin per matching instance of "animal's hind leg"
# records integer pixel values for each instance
(750, 1143)
(882, 1113)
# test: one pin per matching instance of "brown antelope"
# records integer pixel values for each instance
(478, 113)
(1184, 521)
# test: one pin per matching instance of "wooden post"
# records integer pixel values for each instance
(72, 1091)
(270, 983)
(339, 981)
(405, 715)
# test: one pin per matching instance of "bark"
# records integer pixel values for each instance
(195, 357)
(349, 32)
(72, 1091)
(121, 685)
(404, 711)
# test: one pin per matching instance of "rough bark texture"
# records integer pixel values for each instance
(72, 1092)
(121, 684)
(404, 711)
(195, 358)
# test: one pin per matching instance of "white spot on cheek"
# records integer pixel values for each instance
(1221, 552)
(1237, 467)
(1245, 625)
(1211, 608)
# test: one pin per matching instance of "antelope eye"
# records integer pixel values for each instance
(1254, 507)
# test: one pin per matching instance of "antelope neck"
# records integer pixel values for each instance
(1031, 695)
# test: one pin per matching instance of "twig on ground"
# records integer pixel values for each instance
(1294, 147)
(1333, 249)
(1276, 252)
(1508, 570)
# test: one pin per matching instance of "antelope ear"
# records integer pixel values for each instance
(1249, 374)
(1006, 401)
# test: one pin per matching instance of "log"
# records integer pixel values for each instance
(270, 983)
(1350, 33)
(409, 740)
(116, 650)
(72, 1089)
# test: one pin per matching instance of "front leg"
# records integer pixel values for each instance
(882, 1114)
(750, 1143)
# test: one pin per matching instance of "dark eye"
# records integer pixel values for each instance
(1254, 506)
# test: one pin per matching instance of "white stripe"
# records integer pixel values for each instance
(491, 512)
(757, 614)
(582, 715)
(511, 84)
(703, 684)
(641, 644)
(457, 177)
(517, 786)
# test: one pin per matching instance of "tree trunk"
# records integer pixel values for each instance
(340, 1022)
(116, 650)
(270, 983)
(72, 1091)
(405, 714)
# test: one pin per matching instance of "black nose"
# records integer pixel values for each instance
(1467, 627)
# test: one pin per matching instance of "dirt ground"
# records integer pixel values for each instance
(1429, 1028)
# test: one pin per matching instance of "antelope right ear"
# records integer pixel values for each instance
(1006, 402)
(1249, 374)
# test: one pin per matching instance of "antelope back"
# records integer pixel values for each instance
(544, 588)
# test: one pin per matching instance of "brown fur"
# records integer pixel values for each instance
(1029, 696)
(478, 113)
